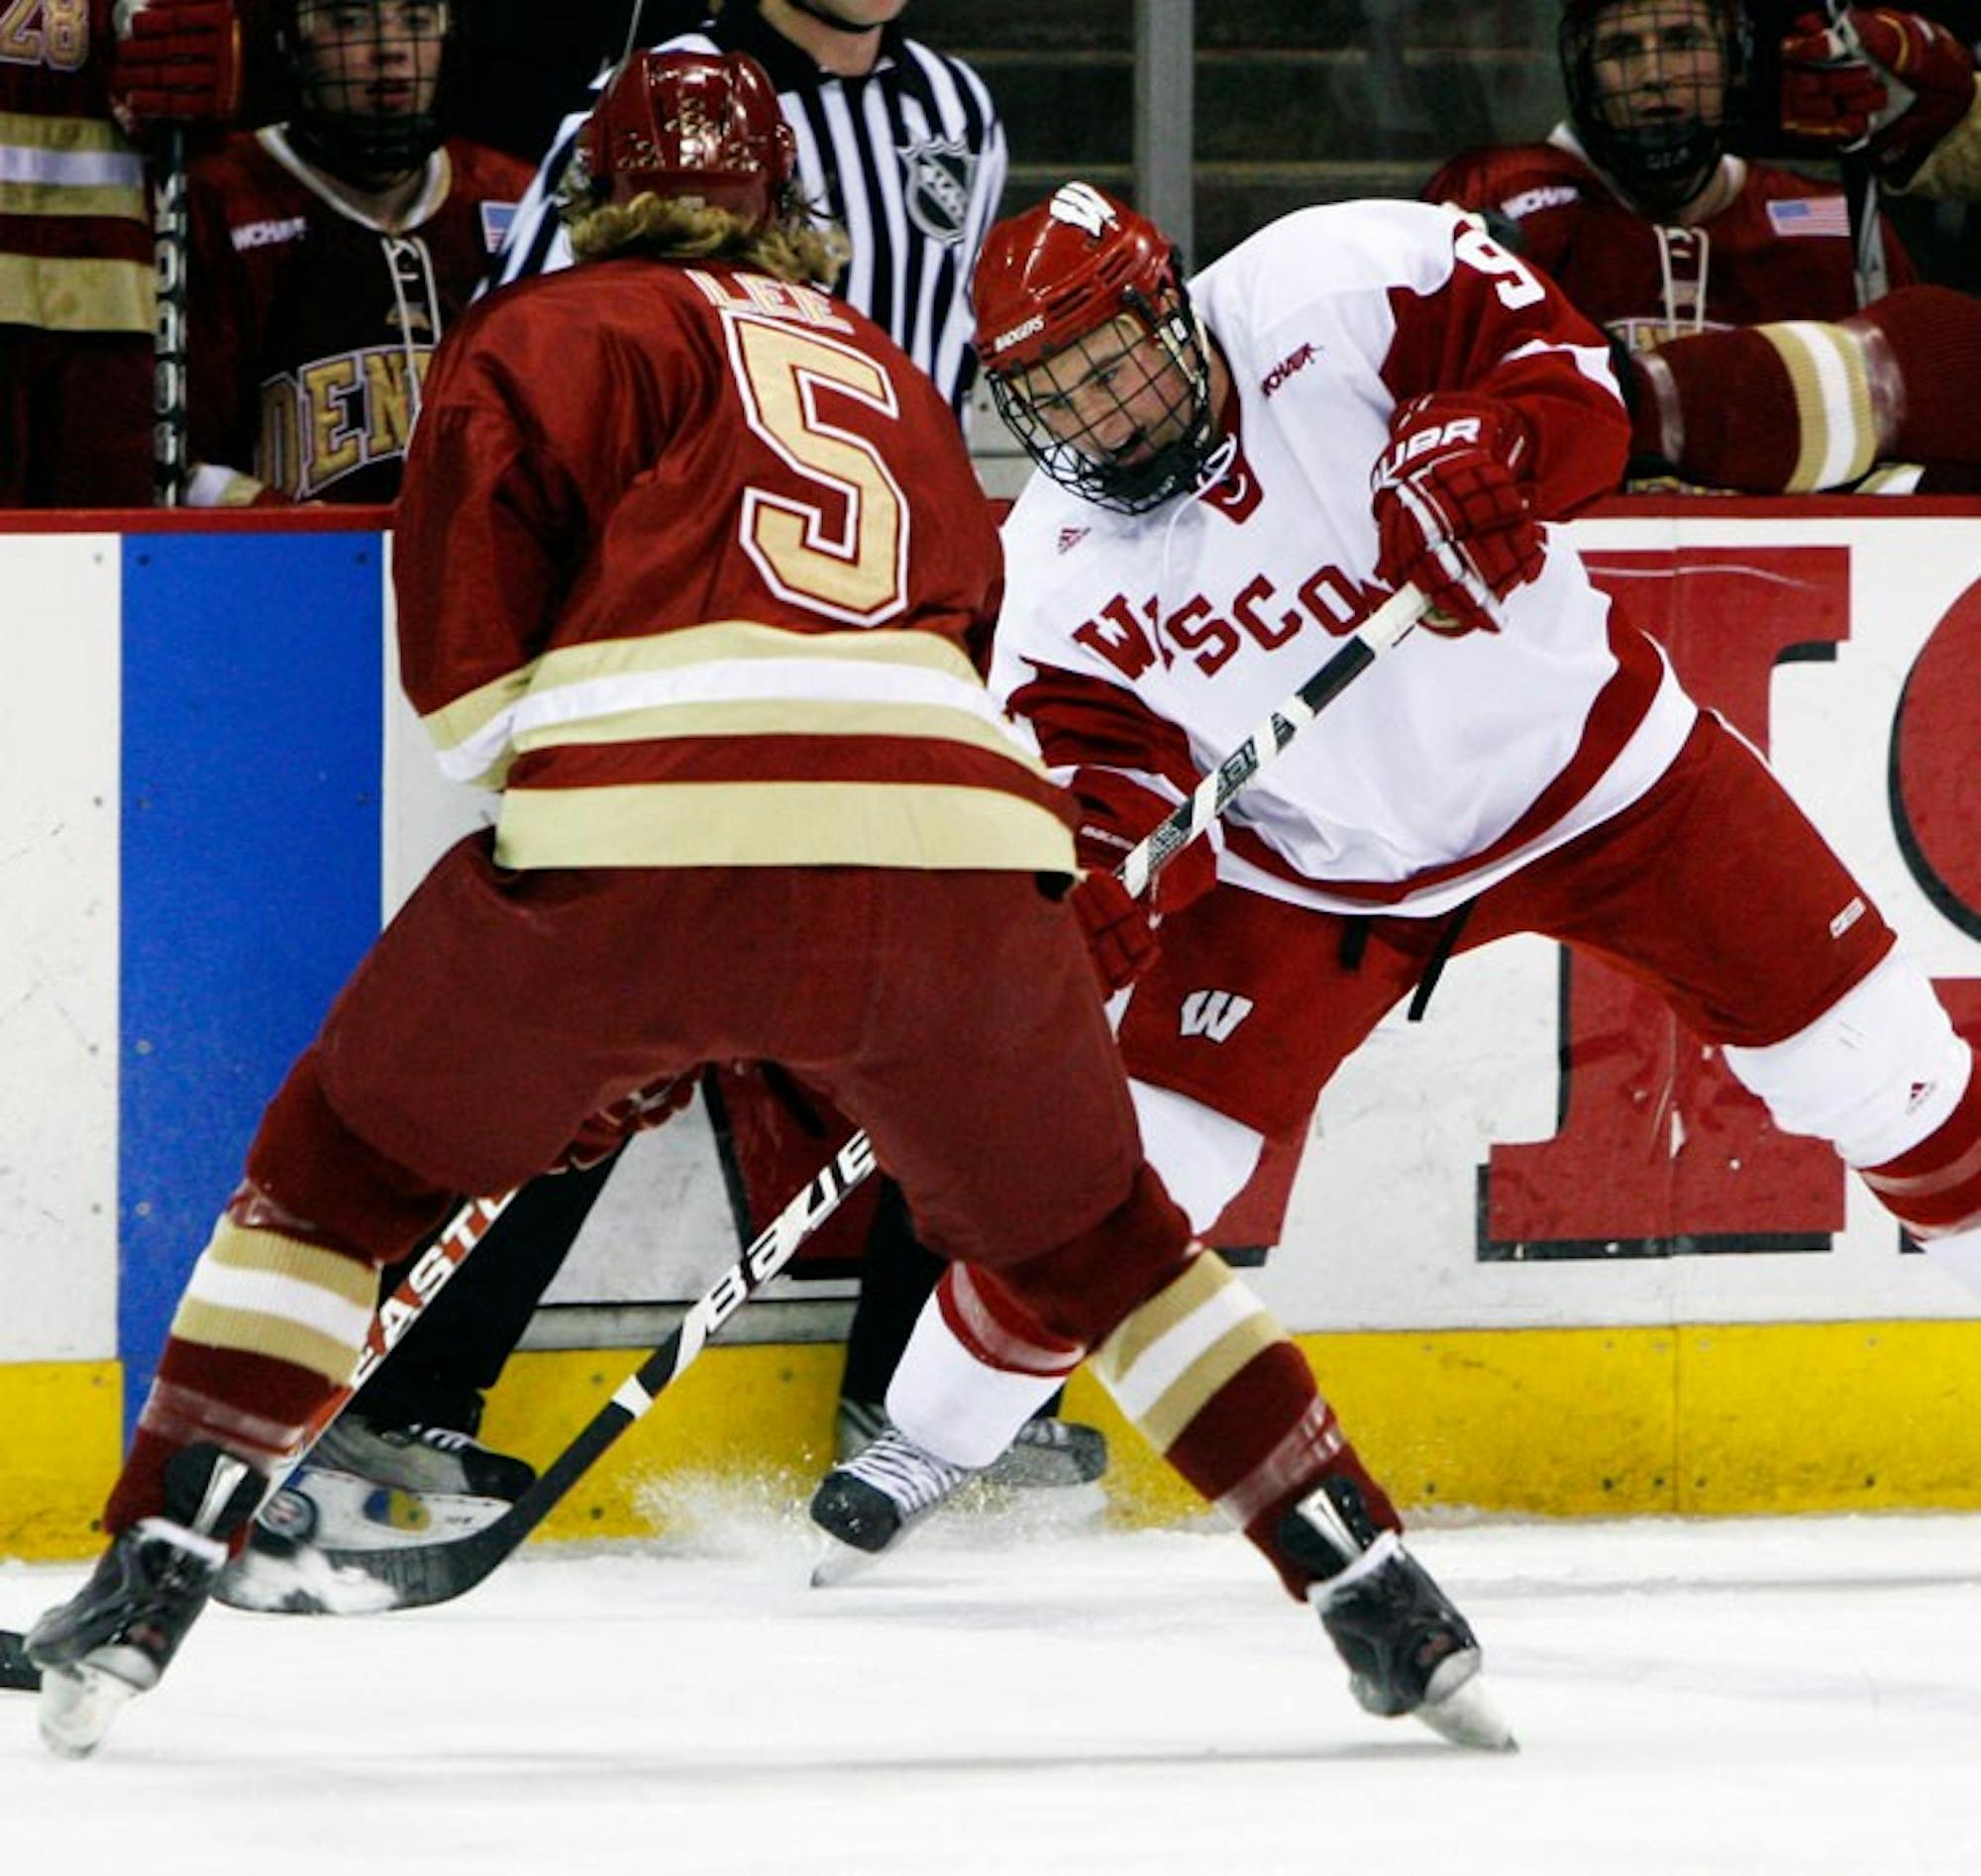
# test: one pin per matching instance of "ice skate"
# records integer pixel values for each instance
(1047, 1452)
(1409, 1651)
(369, 1489)
(871, 1502)
(116, 1636)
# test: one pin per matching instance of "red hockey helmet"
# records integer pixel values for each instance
(1094, 358)
(1061, 269)
(691, 124)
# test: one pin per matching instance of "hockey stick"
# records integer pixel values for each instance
(426, 1574)
(395, 1315)
(168, 351)
(1860, 184)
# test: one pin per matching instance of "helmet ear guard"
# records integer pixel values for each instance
(689, 125)
(1051, 291)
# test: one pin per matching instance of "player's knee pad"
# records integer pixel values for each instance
(1204, 1157)
(1874, 1075)
(1883, 1076)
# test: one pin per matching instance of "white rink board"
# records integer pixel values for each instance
(59, 1051)
(1384, 1225)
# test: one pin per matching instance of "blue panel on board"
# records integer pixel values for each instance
(252, 764)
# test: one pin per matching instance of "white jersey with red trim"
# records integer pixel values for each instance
(1148, 646)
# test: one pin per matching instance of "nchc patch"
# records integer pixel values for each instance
(935, 186)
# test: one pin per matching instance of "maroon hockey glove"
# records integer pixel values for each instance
(176, 61)
(1451, 518)
(612, 1126)
(1899, 88)
(1121, 936)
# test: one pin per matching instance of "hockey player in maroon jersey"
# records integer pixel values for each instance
(1820, 403)
(692, 564)
(78, 80)
(1234, 472)
(1635, 207)
(329, 254)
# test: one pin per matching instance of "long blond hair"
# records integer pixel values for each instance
(685, 228)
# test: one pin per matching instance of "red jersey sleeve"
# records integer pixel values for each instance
(1124, 764)
(1498, 328)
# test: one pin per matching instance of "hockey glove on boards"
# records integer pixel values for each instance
(1451, 516)
(1893, 81)
(175, 62)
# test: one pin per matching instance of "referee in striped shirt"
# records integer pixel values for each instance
(899, 145)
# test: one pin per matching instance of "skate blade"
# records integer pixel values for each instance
(77, 1708)
(1465, 1714)
(842, 1563)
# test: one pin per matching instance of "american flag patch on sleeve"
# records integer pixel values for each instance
(1809, 215)
(495, 220)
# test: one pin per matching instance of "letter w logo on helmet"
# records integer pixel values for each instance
(1215, 1014)
(1083, 206)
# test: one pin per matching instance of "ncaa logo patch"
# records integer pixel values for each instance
(935, 184)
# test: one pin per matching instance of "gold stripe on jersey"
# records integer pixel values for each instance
(60, 295)
(261, 1293)
(922, 826)
(1832, 394)
(68, 198)
(1167, 1360)
(472, 731)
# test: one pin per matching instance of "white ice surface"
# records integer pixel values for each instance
(1792, 1698)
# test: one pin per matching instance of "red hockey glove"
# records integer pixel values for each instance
(612, 1126)
(1450, 517)
(176, 61)
(1121, 935)
(1893, 80)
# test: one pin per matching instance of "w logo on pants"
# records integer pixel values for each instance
(1215, 1014)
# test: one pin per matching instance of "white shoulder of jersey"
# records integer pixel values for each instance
(1336, 251)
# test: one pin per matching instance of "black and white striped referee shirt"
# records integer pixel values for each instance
(909, 160)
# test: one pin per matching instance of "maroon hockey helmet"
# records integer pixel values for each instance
(1123, 424)
(692, 124)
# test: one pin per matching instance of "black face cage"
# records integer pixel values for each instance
(1119, 478)
(1663, 164)
(338, 117)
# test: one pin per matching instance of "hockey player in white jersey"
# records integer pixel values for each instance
(1232, 474)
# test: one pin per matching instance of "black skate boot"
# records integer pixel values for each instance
(115, 1638)
(873, 1500)
(368, 1489)
(1408, 1649)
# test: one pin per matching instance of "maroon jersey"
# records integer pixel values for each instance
(75, 230)
(1780, 250)
(693, 563)
(311, 324)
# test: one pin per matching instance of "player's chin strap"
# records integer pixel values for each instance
(425, 1574)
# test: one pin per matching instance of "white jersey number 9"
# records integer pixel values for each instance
(1515, 280)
